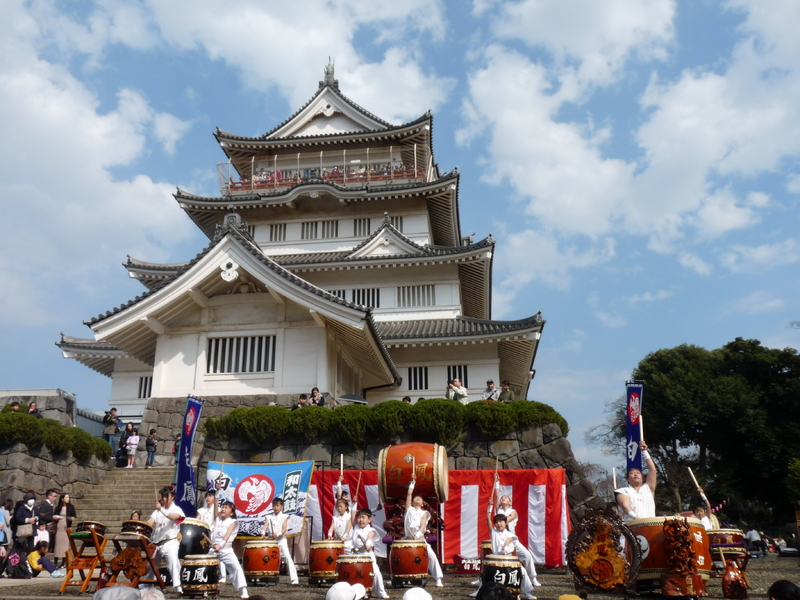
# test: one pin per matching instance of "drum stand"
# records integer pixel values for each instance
(85, 564)
(108, 577)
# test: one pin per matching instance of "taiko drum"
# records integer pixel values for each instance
(395, 466)
(322, 558)
(84, 531)
(194, 538)
(261, 559)
(137, 528)
(505, 570)
(355, 568)
(200, 575)
(408, 560)
(650, 533)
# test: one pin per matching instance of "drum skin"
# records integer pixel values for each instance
(200, 575)
(650, 533)
(193, 538)
(505, 570)
(355, 568)
(726, 536)
(408, 559)
(395, 467)
(137, 527)
(322, 558)
(261, 559)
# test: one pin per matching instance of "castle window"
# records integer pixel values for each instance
(397, 223)
(416, 295)
(339, 293)
(361, 227)
(277, 232)
(253, 354)
(145, 386)
(459, 371)
(368, 297)
(417, 378)
(329, 229)
(309, 230)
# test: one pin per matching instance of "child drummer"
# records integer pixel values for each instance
(363, 541)
(341, 525)
(275, 528)
(222, 535)
(504, 508)
(416, 521)
(503, 543)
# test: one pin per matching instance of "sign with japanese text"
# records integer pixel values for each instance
(185, 489)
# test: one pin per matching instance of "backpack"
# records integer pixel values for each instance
(17, 566)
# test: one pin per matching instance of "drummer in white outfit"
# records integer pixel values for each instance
(503, 542)
(208, 514)
(364, 543)
(275, 528)
(524, 555)
(341, 525)
(416, 522)
(222, 535)
(164, 521)
(636, 500)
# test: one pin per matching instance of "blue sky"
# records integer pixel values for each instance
(637, 161)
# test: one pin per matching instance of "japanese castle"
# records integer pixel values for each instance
(335, 259)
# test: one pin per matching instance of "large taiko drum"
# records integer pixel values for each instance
(650, 533)
(139, 528)
(195, 537)
(200, 575)
(505, 570)
(355, 568)
(322, 558)
(261, 559)
(408, 561)
(83, 531)
(395, 467)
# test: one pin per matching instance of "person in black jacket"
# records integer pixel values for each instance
(33, 411)
(151, 445)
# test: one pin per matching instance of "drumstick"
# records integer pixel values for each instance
(641, 428)
(413, 467)
(358, 487)
(155, 491)
(341, 465)
(614, 476)
(697, 485)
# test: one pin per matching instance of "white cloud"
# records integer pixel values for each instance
(793, 183)
(766, 256)
(757, 302)
(697, 264)
(169, 129)
(609, 319)
(650, 297)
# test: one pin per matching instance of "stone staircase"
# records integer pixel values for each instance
(121, 492)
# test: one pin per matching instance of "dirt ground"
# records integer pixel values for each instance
(762, 573)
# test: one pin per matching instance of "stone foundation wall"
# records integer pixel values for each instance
(53, 404)
(532, 448)
(37, 469)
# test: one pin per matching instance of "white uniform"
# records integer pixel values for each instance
(274, 529)
(524, 555)
(165, 536)
(642, 503)
(413, 526)
(502, 543)
(706, 523)
(363, 545)
(206, 515)
(340, 525)
(226, 556)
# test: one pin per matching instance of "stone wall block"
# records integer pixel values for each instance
(574, 471)
(580, 493)
(164, 420)
(456, 450)
(229, 456)
(556, 453)
(531, 437)
(512, 463)
(165, 438)
(14, 479)
(3, 461)
(238, 443)
(531, 459)
(284, 453)
(551, 432)
(476, 449)
(315, 452)
(475, 434)
(353, 459)
(20, 460)
(488, 463)
(371, 455)
(149, 416)
(503, 449)
(466, 463)
(175, 421)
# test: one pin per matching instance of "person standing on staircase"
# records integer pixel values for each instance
(164, 520)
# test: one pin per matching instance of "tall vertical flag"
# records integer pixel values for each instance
(185, 489)
(633, 414)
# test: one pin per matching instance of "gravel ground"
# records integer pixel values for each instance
(762, 573)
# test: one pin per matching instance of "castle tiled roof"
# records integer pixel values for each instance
(456, 327)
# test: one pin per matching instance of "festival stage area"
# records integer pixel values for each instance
(762, 572)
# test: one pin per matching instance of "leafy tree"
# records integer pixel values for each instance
(732, 414)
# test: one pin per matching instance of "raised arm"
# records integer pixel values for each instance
(651, 468)
(705, 499)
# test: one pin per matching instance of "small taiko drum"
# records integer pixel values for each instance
(505, 570)
(355, 568)
(139, 528)
(650, 533)
(395, 465)
(726, 544)
(486, 548)
(83, 531)
(261, 559)
(322, 557)
(408, 561)
(200, 575)
(195, 537)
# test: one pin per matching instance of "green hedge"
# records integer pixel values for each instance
(33, 432)
(436, 420)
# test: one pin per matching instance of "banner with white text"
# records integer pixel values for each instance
(253, 486)
(185, 489)
(633, 427)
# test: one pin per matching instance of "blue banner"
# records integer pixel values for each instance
(252, 487)
(633, 413)
(185, 489)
